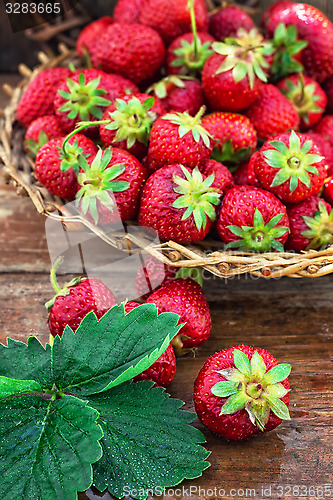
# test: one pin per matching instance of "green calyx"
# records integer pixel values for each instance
(197, 196)
(228, 156)
(303, 97)
(245, 56)
(286, 46)
(83, 100)
(190, 124)
(98, 182)
(293, 163)
(320, 228)
(34, 146)
(132, 120)
(59, 291)
(260, 237)
(249, 386)
(162, 87)
(70, 157)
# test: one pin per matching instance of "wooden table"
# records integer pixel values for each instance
(293, 319)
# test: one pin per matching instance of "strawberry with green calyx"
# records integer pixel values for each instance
(272, 113)
(130, 121)
(83, 97)
(179, 93)
(226, 22)
(252, 219)
(233, 75)
(291, 167)
(287, 52)
(223, 179)
(75, 300)
(186, 298)
(235, 136)
(311, 225)
(179, 204)
(40, 131)
(179, 138)
(307, 97)
(242, 391)
(57, 163)
(111, 184)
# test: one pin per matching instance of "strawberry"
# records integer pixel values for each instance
(234, 134)
(40, 131)
(223, 179)
(88, 38)
(291, 167)
(325, 148)
(178, 138)
(311, 225)
(161, 372)
(172, 18)
(253, 219)
(325, 128)
(127, 11)
(57, 170)
(132, 50)
(272, 113)
(226, 22)
(130, 120)
(328, 191)
(151, 275)
(110, 186)
(179, 204)
(185, 297)
(179, 94)
(275, 8)
(242, 391)
(316, 29)
(84, 97)
(287, 57)
(233, 75)
(307, 97)
(186, 55)
(38, 97)
(125, 85)
(328, 88)
(244, 174)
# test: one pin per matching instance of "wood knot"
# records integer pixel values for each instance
(174, 255)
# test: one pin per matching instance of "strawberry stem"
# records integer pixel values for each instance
(81, 126)
(53, 278)
(194, 28)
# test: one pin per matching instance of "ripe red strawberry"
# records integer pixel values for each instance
(131, 119)
(126, 86)
(178, 94)
(38, 97)
(244, 175)
(132, 50)
(252, 219)
(185, 297)
(307, 97)
(88, 38)
(311, 225)
(328, 191)
(242, 391)
(75, 300)
(272, 113)
(151, 275)
(325, 128)
(315, 28)
(276, 7)
(127, 11)
(161, 372)
(223, 179)
(287, 58)
(110, 186)
(235, 135)
(179, 138)
(179, 204)
(40, 131)
(84, 97)
(187, 54)
(328, 88)
(227, 21)
(172, 18)
(57, 170)
(325, 148)
(291, 167)
(233, 75)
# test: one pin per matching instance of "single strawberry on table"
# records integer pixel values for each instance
(291, 167)
(227, 20)
(185, 297)
(242, 391)
(40, 131)
(252, 219)
(179, 204)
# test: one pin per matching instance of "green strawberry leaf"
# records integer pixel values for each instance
(11, 387)
(107, 352)
(147, 442)
(47, 447)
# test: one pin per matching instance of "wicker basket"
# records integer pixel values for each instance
(209, 254)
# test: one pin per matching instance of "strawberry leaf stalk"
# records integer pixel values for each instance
(287, 51)
(249, 386)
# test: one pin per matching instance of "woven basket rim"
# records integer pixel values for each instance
(208, 254)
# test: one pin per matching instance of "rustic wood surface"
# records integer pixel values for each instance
(293, 319)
